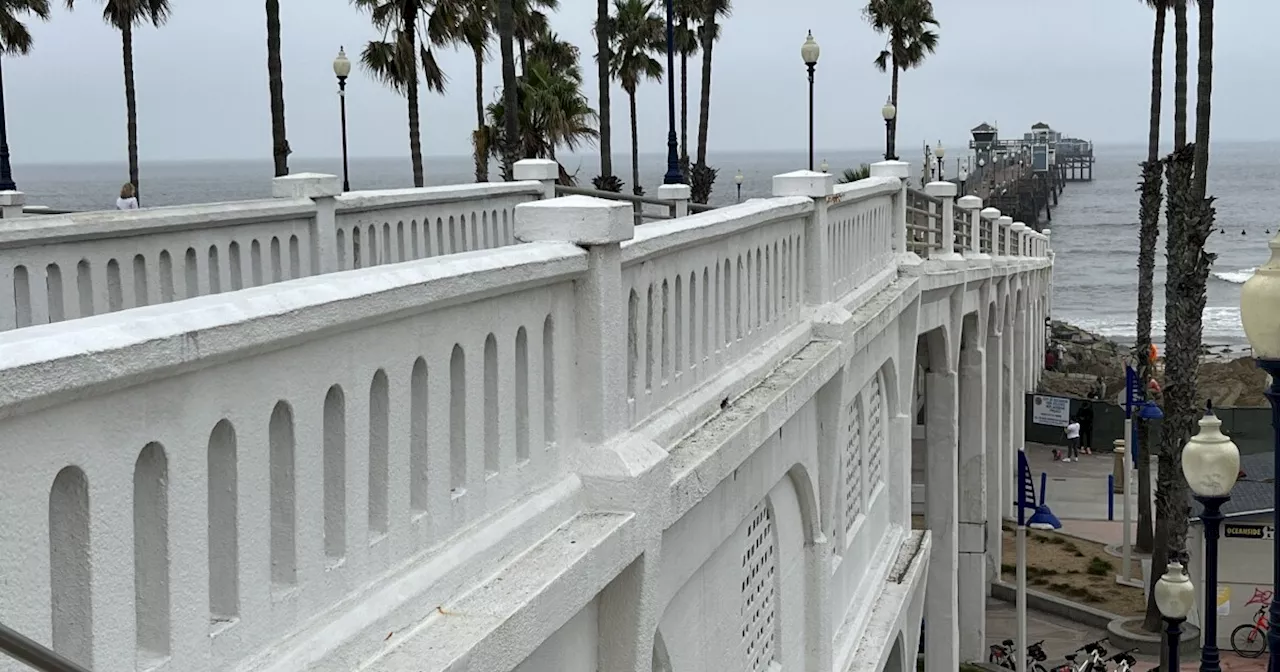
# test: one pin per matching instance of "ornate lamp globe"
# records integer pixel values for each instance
(990, 214)
(1210, 461)
(1175, 596)
(738, 179)
(809, 51)
(888, 111)
(341, 64)
(1260, 306)
(824, 166)
(939, 151)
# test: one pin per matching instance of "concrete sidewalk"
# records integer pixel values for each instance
(1077, 493)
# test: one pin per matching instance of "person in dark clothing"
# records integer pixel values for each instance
(1085, 416)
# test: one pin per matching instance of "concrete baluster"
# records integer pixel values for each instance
(599, 226)
(678, 195)
(322, 190)
(1018, 243)
(989, 217)
(971, 205)
(900, 170)
(11, 203)
(545, 171)
(946, 192)
(818, 186)
(1048, 245)
(1003, 224)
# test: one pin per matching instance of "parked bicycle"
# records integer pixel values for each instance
(1250, 640)
(1124, 661)
(1093, 661)
(1002, 654)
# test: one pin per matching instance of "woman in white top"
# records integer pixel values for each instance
(1073, 441)
(128, 198)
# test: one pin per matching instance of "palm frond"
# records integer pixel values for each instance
(433, 75)
(15, 38)
(379, 58)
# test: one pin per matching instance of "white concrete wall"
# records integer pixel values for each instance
(496, 460)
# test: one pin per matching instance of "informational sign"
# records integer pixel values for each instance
(1248, 531)
(1050, 411)
(1040, 158)
(1224, 601)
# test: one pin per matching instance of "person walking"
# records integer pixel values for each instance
(1073, 441)
(1085, 416)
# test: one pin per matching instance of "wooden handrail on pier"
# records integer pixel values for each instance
(637, 202)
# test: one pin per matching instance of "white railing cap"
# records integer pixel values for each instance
(12, 198)
(969, 202)
(1019, 227)
(536, 169)
(582, 220)
(898, 169)
(675, 192)
(804, 183)
(305, 185)
(941, 189)
(990, 213)
(1004, 220)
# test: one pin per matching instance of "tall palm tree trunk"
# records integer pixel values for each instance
(635, 148)
(481, 148)
(1148, 236)
(409, 29)
(1204, 104)
(510, 101)
(602, 72)
(131, 105)
(1180, 73)
(684, 103)
(704, 108)
(275, 80)
(524, 54)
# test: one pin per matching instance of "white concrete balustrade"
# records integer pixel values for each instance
(683, 446)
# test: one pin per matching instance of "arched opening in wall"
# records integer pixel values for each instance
(759, 612)
(191, 274)
(418, 410)
(458, 420)
(936, 394)
(151, 553)
(284, 571)
(379, 431)
(549, 417)
(69, 568)
(897, 661)
(522, 393)
(84, 288)
(661, 659)
(224, 549)
(492, 442)
(277, 261)
(215, 270)
(236, 281)
(335, 474)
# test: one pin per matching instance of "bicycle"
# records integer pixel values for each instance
(1250, 640)
(1124, 660)
(1001, 654)
(1093, 662)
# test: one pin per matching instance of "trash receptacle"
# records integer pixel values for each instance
(1118, 469)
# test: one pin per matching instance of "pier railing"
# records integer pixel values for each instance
(940, 224)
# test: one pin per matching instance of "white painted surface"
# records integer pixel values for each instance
(539, 458)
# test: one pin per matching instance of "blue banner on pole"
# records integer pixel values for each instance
(1026, 490)
(1133, 393)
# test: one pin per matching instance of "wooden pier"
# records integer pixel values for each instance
(1024, 177)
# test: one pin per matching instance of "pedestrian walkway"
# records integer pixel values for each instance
(1077, 493)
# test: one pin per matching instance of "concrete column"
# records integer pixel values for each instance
(1018, 240)
(946, 191)
(902, 171)
(989, 224)
(941, 608)
(628, 617)
(1003, 223)
(818, 186)
(11, 203)
(973, 499)
(997, 483)
(971, 205)
(545, 171)
(679, 195)
(1007, 409)
(322, 190)
(818, 625)
(600, 377)
(1018, 385)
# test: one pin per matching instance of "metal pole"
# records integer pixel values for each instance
(1021, 545)
(6, 173)
(739, 193)
(811, 66)
(342, 98)
(1212, 519)
(888, 140)
(33, 653)
(1127, 546)
(673, 175)
(1172, 639)
(1272, 367)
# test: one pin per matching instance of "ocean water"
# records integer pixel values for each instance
(1095, 230)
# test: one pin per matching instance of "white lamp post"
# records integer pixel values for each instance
(1260, 313)
(824, 166)
(940, 152)
(889, 112)
(1174, 597)
(809, 52)
(738, 179)
(1211, 463)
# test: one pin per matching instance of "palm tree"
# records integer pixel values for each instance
(862, 172)
(1148, 235)
(124, 15)
(275, 82)
(560, 56)
(510, 87)
(553, 112)
(15, 39)
(531, 22)
(1180, 73)
(637, 35)
(604, 68)
(906, 24)
(686, 42)
(469, 23)
(395, 59)
(709, 13)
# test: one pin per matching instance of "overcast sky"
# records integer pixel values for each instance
(1081, 65)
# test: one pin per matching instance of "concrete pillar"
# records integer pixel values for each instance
(818, 186)
(942, 650)
(1007, 409)
(997, 483)
(946, 191)
(678, 195)
(599, 226)
(11, 203)
(545, 171)
(628, 617)
(902, 171)
(1018, 240)
(973, 498)
(1003, 223)
(818, 625)
(322, 190)
(989, 217)
(1018, 385)
(971, 205)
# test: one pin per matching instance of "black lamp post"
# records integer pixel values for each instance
(1260, 314)
(342, 68)
(809, 51)
(889, 112)
(738, 179)
(1211, 463)
(673, 175)
(1174, 597)
(6, 173)
(940, 152)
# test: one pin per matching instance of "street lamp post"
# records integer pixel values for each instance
(824, 167)
(342, 68)
(1260, 314)
(1211, 463)
(809, 51)
(940, 152)
(889, 112)
(1174, 597)
(738, 180)
(6, 173)
(673, 175)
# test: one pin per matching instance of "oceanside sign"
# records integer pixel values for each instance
(1245, 531)
(1050, 411)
